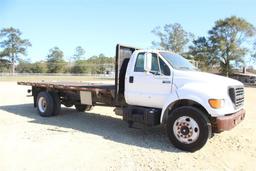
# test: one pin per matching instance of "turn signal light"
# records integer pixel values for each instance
(216, 103)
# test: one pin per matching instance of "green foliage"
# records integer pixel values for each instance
(24, 66)
(203, 52)
(5, 65)
(80, 67)
(227, 37)
(253, 55)
(79, 53)
(94, 65)
(12, 45)
(173, 37)
(224, 46)
(55, 61)
(39, 67)
(100, 64)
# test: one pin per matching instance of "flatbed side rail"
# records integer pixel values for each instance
(65, 87)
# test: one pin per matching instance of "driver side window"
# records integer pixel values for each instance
(165, 70)
(159, 66)
(155, 65)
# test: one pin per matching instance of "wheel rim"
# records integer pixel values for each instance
(186, 129)
(42, 104)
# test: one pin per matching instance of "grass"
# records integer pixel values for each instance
(51, 78)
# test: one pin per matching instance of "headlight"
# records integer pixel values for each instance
(216, 103)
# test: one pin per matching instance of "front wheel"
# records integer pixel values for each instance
(188, 128)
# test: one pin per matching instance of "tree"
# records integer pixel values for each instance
(100, 64)
(253, 55)
(13, 45)
(80, 65)
(79, 53)
(39, 67)
(173, 38)
(24, 66)
(227, 37)
(55, 61)
(101, 68)
(4, 65)
(202, 52)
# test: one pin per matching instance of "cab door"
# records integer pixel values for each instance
(148, 88)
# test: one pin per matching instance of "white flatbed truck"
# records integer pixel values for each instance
(154, 87)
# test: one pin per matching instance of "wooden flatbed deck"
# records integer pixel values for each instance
(75, 86)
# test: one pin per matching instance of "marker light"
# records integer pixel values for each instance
(216, 103)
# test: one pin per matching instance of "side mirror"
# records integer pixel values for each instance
(148, 62)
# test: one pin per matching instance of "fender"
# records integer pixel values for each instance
(169, 102)
(195, 92)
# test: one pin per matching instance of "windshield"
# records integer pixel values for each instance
(177, 61)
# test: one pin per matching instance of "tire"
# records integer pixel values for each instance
(188, 128)
(57, 104)
(45, 104)
(83, 108)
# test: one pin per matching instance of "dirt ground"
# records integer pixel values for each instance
(100, 140)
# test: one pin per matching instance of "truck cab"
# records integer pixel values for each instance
(193, 104)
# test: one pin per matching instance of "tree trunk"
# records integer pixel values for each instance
(227, 69)
(13, 65)
(13, 68)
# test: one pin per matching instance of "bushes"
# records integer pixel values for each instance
(93, 65)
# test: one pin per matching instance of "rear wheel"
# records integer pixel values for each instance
(188, 128)
(83, 108)
(45, 104)
(56, 102)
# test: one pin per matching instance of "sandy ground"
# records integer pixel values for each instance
(100, 140)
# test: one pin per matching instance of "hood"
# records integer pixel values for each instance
(189, 77)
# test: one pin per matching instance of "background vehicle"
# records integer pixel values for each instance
(154, 87)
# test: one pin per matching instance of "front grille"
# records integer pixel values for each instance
(236, 95)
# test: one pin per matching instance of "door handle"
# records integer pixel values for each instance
(166, 82)
(131, 79)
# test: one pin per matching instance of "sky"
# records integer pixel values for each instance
(98, 25)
